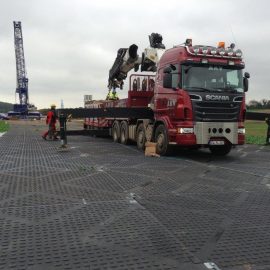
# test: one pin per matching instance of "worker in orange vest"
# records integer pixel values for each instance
(51, 121)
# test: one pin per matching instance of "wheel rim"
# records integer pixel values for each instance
(160, 141)
(140, 137)
(123, 135)
(114, 134)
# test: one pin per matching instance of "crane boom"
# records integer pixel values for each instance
(127, 59)
(22, 80)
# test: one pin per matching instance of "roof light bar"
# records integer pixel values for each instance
(196, 50)
(230, 52)
(238, 53)
(220, 51)
(213, 51)
(204, 50)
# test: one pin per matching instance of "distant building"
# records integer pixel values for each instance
(87, 99)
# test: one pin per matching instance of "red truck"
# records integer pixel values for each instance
(197, 99)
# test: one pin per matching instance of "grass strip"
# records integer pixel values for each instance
(4, 126)
(255, 132)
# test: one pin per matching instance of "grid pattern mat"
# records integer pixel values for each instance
(103, 205)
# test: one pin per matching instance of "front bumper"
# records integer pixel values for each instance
(204, 132)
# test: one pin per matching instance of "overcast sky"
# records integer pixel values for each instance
(70, 45)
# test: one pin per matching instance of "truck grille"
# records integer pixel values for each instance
(216, 111)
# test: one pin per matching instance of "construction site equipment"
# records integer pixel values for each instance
(195, 99)
(23, 107)
(63, 128)
(22, 80)
(128, 59)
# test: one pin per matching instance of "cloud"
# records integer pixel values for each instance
(71, 45)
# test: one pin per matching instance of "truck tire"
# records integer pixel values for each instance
(220, 150)
(161, 138)
(140, 137)
(124, 132)
(116, 131)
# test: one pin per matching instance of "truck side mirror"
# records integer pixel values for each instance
(245, 81)
(247, 75)
(167, 80)
(167, 70)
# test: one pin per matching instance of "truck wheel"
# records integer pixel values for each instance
(124, 132)
(140, 137)
(220, 150)
(116, 131)
(161, 138)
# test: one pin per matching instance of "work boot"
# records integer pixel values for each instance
(44, 138)
(55, 138)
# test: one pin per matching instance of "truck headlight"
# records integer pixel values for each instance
(185, 130)
(241, 131)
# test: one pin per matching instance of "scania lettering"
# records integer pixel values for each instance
(213, 97)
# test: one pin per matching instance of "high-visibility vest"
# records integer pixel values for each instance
(111, 95)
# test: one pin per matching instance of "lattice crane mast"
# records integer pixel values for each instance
(22, 80)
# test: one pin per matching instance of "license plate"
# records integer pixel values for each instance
(216, 142)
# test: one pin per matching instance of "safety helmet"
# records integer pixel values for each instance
(53, 105)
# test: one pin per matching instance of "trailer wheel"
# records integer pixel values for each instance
(161, 138)
(140, 137)
(124, 132)
(116, 131)
(220, 150)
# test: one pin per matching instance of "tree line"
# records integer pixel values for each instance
(258, 105)
(5, 107)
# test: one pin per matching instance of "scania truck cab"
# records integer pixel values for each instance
(199, 98)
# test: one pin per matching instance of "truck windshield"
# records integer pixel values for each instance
(212, 78)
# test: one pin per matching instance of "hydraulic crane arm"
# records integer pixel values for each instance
(128, 58)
